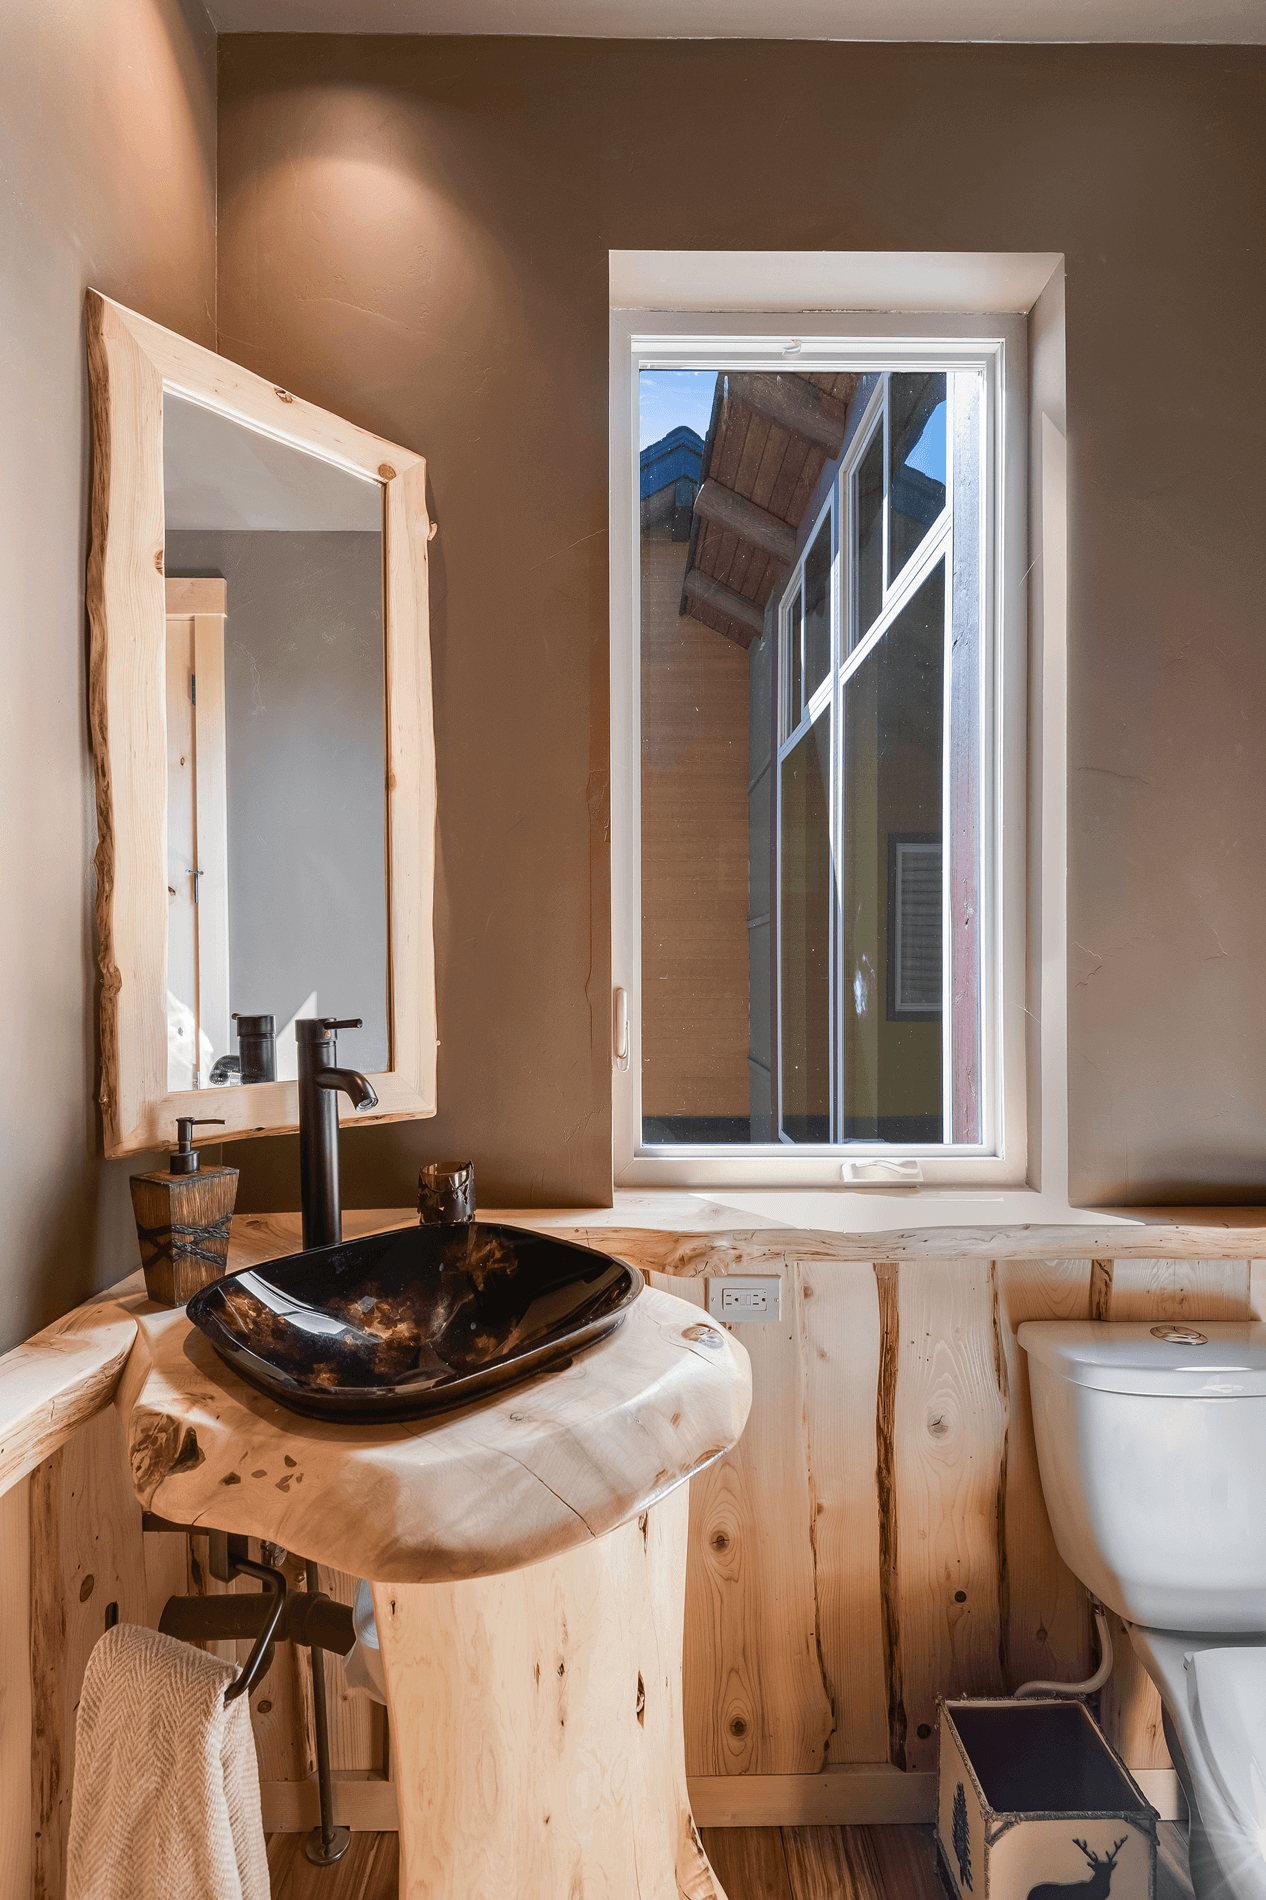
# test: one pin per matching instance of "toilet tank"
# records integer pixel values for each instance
(1151, 1443)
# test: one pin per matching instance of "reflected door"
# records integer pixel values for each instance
(197, 833)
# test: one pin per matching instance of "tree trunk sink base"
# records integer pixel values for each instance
(536, 1725)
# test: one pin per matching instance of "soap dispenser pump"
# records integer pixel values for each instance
(183, 1214)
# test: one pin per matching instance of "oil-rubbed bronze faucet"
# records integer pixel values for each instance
(320, 1082)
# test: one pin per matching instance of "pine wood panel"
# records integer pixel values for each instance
(1179, 1289)
(839, 1344)
(15, 1694)
(950, 1426)
(757, 1701)
(86, 1556)
(1044, 1621)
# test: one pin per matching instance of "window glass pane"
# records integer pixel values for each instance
(795, 705)
(868, 509)
(916, 421)
(805, 916)
(817, 609)
(891, 849)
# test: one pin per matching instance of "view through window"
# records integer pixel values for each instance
(813, 645)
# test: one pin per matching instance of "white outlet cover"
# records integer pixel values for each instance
(745, 1299)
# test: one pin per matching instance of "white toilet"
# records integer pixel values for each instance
(1151, 1442)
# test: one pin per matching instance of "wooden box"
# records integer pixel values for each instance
(182, 1224)
(1034, 1804)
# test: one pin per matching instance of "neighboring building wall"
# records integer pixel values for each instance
(694, 854)
(107, 179)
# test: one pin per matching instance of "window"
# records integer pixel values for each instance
(825, 700)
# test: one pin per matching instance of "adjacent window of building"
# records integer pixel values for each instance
(819, 730)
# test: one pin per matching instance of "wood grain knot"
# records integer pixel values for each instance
(705, 1336)
(923, 1731)
(234, 1477)
(158, 560)
(738, 1726)
(641, 1700)
(282, 395)
(386, 471)
(960, 1596)
(721, 1541)
(264, 1708)
(86, 1588)
(1040, 1634)
(937, 1425)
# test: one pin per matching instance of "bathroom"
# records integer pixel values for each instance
(427, 225)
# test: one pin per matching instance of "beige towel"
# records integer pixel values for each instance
(165, 1802)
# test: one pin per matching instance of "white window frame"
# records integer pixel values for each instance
(754, 339)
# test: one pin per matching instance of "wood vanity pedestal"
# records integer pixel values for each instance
(528, 1558)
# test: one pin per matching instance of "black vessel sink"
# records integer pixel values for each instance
(396, 1325)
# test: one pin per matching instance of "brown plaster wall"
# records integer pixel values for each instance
(415, 232)
(107, 178)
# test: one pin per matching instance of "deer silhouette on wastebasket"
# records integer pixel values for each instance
(1096, 1888)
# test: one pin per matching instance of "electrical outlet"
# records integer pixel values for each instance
(738, 1298)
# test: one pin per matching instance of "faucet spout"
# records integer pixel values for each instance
(321, 1081)
(349, 1082)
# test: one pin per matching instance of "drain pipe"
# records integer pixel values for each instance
(1079, 1688)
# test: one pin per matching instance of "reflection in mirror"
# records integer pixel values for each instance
(276, 809)
(810, 634)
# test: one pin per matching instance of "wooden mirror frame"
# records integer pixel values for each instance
(131, 361)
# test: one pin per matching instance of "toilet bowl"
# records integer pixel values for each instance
(1151, 1444)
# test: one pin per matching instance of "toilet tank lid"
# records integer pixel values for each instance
(1225, 1359)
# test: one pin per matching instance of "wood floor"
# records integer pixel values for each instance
(752, 1863)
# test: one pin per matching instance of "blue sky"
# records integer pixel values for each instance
(669, 397)
(928, 453)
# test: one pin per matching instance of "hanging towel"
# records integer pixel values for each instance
(362, 1664)
(165, 1800)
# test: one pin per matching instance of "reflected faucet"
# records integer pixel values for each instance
(320, 1082)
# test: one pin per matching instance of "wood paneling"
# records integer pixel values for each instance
(757, 1702)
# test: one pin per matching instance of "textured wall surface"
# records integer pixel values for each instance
(303, 690)
(107, 178)
(416, 232)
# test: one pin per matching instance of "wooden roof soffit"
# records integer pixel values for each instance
(746, 614)
(793, 403)
(747, 520)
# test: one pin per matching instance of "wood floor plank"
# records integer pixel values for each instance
(1173, 1878)
(906, 1857)
(749, 1862)
(370, 1869)
(832, 1863)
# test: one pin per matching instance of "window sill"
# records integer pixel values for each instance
(863, 1222)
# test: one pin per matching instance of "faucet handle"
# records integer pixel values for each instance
(342, 1022)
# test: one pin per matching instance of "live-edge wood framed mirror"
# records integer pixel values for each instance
(346, 705)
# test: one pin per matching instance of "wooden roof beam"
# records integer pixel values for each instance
(747, 520)
(724, 600)
(794, 404)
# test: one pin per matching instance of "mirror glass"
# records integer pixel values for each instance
(276, 805)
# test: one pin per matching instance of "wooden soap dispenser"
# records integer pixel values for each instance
(182, 1219)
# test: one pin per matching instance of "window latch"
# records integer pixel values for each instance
(907, 1173)
(620, 1029)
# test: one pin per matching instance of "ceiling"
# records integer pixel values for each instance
(1227, 22)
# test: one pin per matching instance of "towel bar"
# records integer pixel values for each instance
(276, 1615)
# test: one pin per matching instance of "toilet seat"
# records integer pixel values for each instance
(1214, 1691)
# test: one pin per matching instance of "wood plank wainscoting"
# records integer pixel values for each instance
(877, 1537)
